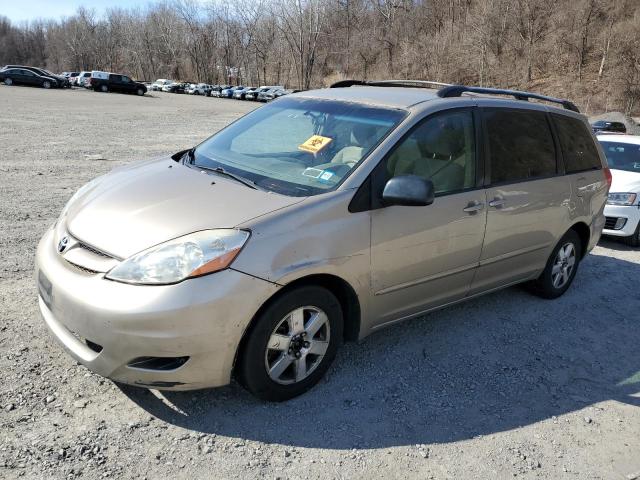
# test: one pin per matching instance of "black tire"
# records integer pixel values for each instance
(252, 363)
(104, 88)
(634, 240)
(544, 285)
(46, 84)
(140, 92)
(8, 82)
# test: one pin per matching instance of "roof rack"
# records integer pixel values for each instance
(390, 83)
(458, 90)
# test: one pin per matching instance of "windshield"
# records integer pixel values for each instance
(297, 146)
(622, 156)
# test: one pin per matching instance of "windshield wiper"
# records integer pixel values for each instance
(237, 178)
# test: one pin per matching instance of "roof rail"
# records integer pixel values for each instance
(390, 83)
(458, 90)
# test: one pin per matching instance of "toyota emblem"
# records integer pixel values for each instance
(62, 244)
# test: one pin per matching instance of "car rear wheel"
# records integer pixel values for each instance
(291, 345)
(46, 84)
(561, 267)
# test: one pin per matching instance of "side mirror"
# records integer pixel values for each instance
(408, 190)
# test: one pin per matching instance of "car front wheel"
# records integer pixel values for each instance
(292, 344)
(8, 82)
(46, 84)
(634, 240)
(140, 92)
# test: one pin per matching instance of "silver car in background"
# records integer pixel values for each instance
(321, 217)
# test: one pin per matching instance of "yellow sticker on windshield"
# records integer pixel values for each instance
(315, 144)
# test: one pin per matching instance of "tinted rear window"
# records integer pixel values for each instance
(578, 148)
(520, 145)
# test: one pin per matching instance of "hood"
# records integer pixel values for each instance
(624, 181)
(139, 206)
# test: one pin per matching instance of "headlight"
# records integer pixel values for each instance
(192, 255)
(621, 198)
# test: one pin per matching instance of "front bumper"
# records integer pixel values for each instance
(201, 318)
(630, 213)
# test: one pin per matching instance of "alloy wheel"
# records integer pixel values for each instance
(563, 265)
(297, 345)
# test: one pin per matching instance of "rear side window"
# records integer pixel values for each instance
(520, 145)
(578, 148)
(115, 78)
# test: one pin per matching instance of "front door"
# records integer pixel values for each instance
(422, 257)
(527, 198)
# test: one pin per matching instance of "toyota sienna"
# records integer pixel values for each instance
(321, 217)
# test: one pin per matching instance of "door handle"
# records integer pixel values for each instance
(473, 207)
(497, 202)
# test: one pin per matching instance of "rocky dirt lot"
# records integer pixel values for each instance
(504, 386)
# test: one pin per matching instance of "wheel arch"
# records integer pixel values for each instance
(584, 232)
(342, 290)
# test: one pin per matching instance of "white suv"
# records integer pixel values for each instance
(198, 89)
(622, 211)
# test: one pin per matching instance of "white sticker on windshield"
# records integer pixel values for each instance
(312, 172)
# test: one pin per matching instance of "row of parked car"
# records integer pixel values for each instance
(263, 93)
(101, 81)
(32, 76)
(95, 80)
(105, 82)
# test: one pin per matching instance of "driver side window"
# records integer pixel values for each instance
(440, 149)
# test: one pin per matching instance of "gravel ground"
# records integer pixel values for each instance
(504, 386)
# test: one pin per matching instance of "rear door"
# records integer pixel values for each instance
(583, 165)
(14, 75)
(527, 196)
(115, 83)
(423, 257)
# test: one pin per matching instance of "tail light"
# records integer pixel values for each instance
(608, 177)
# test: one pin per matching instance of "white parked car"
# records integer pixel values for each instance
(622, 211)
(161, 82)
(198, 89)
(84, 75)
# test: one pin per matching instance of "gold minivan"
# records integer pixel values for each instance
(321, 217)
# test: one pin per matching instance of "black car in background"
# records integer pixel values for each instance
(603, 126)
(176, 88)
(114, 82)
(24, 76)
(59, 79)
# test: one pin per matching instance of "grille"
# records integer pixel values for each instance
(610, 223)
(93, 250)
(83, 269)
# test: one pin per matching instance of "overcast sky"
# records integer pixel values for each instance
(19, 10)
